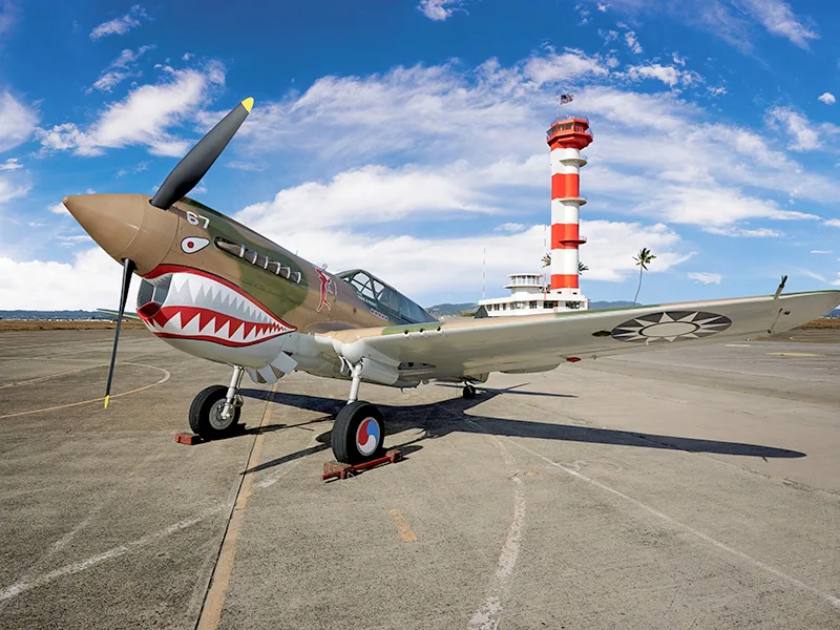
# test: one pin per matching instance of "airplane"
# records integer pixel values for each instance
(215, 289)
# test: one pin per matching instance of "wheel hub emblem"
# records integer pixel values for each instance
(368, 436)
(671, 326)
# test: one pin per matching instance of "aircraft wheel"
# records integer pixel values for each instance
(206, 414)
(358, 432)
(469, 391)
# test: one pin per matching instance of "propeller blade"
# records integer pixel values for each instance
(128, 269)
(198, 161)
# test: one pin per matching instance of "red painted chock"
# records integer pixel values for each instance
(188, 438)
(336, 470)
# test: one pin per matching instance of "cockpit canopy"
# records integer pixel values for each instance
(384, 298)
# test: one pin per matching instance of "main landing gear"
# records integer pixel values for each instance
(469, 391)
(359, 429)
(214, 413)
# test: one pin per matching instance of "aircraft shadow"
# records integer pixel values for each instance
(442, 418)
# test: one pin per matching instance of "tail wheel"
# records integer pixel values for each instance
(206, 414)
(358, 432)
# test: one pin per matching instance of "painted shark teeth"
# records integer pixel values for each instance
(201, 307)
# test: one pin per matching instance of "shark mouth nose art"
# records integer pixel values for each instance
(184, 303)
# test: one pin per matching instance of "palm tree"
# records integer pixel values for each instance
(582, 267)
(642, 259)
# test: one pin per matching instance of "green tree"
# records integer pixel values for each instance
(642, 260)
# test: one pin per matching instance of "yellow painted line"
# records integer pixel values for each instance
(163, 379)
(214, 601)
(403, 526)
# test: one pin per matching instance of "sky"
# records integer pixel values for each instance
(408, 137)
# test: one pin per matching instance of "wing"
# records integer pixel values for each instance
(404, 355)
(115, 314)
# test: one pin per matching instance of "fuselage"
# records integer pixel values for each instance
(215, 288)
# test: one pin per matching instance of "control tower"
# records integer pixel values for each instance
(566, 137)
(530, 293)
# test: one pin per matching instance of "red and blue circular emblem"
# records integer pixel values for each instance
(367, 436)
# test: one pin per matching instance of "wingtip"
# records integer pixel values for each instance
(248, 103)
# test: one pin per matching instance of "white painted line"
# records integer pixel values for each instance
(489, 614)
(828, 597)
(77, 567)
(270, 480)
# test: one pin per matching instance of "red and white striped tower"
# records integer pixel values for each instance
(566, 137)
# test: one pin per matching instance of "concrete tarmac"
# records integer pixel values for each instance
(686, 488)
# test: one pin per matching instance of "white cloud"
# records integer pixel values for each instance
(17, 121)
(121, 25)
(744, 232)
(510, 227)
(417, 111)
(433, 269)
(632, 42)
(704, 277)
(716, 208)
(811, 274)
(778, 18)
(827, 98)
(820, 251)
(669, 75)
(57, 208)
(804, 136)
(12, 189)
(119, 69)
(439, 10)
(569, 65)
(10, 164)
(833, 223)
(144, 117)
(655, 155)
(372, 194)
(90, 281)
(730, 20)
(427, 267)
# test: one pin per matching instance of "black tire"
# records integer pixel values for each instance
(468, 392)
(345, 445)
(208, 402)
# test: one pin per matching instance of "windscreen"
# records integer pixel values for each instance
(385, 298)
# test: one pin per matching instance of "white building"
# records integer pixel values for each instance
(530, 295)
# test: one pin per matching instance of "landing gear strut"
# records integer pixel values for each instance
(468, 391)
(214, 413)
(359, 429)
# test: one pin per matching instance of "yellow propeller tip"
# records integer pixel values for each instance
(248, 103)
(107, 400)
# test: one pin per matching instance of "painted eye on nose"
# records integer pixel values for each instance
(193, 244)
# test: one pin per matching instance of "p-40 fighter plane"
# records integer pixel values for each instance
(218, 290)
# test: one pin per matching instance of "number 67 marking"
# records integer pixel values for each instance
(195, 219)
